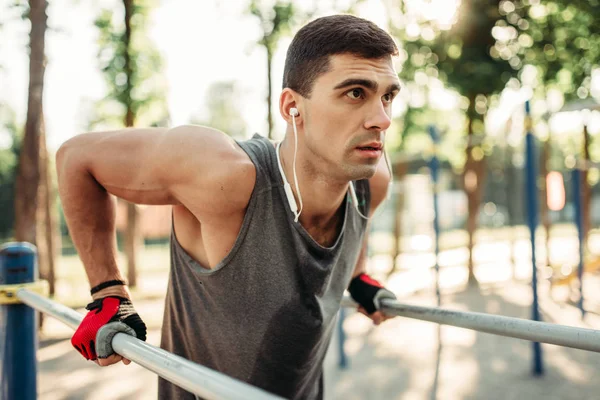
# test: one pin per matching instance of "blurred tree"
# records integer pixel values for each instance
(561, 39)
(136, 89)
(34, 197)
(460, 52)
(223, 106)
(275, 21)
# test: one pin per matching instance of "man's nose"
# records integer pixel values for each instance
(378, 118)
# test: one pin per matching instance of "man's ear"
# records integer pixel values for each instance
(290, 104)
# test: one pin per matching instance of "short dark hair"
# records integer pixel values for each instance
(309, 52)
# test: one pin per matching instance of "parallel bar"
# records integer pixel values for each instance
(576, 179)
(184, 373)
(561, 335)
(531, 200)
(434, 167)
(18, 334)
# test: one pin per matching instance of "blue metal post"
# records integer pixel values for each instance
(532, 220)
(434, 167)
(576, 175)
(343, 360)
(18, 326)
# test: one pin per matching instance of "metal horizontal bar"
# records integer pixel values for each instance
(567, 336)
(190, 376)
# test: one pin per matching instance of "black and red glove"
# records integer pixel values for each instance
(106, 317)
(368, 292)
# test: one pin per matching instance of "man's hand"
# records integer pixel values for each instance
(107, 316)
(377, 317)
(368, 292)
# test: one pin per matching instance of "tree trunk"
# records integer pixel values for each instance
(269, 90)
(132, 233)
(544, 212)
(46, 220)
(473, 179)
(28, 172)
(399, 174)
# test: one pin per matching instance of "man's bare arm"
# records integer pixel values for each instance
(378, 185)
(197, 167)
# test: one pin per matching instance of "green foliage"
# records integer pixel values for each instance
(21, 7)
(132, 71)
(275, 21)
(561, 38)
(465, 57)
(456, 52)
(8, 168)
(461, 56)
(223, 105)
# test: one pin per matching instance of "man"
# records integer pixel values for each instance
(266, 237)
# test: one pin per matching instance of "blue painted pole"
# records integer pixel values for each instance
(343, 360)
(434, 168)
(18, 326)
(532, 220)
(576, 177)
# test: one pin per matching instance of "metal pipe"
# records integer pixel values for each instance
(434, 168)
(576, 178)
(561, 335)
(192, 377)
(531, 201)
(18, 325)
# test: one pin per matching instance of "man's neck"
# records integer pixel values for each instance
(321, 194)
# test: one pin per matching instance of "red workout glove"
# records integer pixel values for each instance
(367, 292)
(106, 317)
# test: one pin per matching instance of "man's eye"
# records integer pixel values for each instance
(354, 94)
(388, 97)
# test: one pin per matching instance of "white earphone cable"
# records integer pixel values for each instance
(294, 166)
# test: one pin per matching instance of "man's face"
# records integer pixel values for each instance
(347, 114)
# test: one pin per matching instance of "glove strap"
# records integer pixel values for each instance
(104, 285)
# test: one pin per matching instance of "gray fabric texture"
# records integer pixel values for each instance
(266, 313)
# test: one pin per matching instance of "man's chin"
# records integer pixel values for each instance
(363, 172)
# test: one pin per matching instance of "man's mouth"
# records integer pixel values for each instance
(369, 148)
(375, 146)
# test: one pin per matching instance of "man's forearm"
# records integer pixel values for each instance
(361, 264)
(90, 214)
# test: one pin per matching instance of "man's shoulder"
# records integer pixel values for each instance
(222, 170)
(211, 145)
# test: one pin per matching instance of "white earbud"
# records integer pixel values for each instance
(286, 186)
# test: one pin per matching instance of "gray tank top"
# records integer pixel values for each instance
(265, 314)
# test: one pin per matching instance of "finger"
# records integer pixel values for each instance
(92, 350)
(126, 361)
(84, 352)
(361, 310)
(377, 317)
(113, 359)
(78, 349)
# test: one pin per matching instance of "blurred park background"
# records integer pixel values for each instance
(467, 68)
